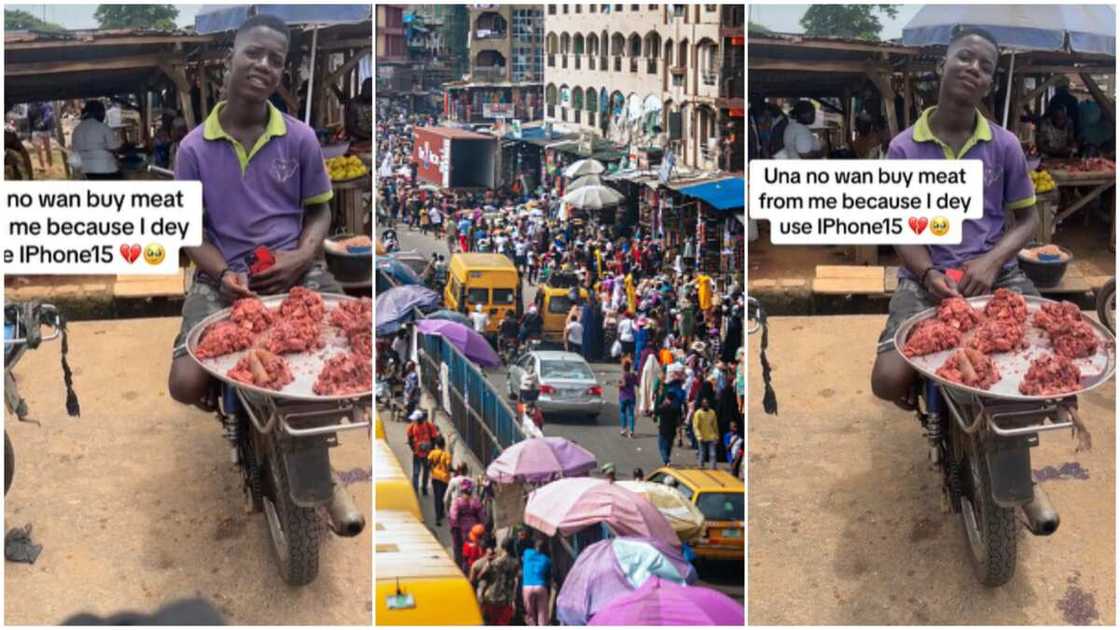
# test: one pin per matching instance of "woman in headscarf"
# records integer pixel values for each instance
(592, 320)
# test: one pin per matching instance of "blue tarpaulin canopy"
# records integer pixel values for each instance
(724, 194)
(221, 18)
(1090, 28)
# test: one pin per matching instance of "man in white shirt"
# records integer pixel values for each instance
(435, 217)
(94, 142)
(626, 334)
(480, 319)
(573, 337)
(799, 141)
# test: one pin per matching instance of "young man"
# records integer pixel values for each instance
(955, 129)
(263, 183)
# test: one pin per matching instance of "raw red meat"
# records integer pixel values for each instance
(351, 314)
(998, 335)
(929, 336)
(348, 373)
(262, 368)
(251, 314)
(969, 367)
(294, 335)
(1054, 318)
(1076, 341)
(1050, 375)
(361, 342)
(959, 314)
(221, 338)
(1007, 305)
(303, 303)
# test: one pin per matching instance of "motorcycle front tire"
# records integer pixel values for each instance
(1106, 305)
(991, 532)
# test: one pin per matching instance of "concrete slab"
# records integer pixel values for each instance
(846, 526)
(136, 503)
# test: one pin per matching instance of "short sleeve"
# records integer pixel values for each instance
(803, 141)
(895, 152)
(1018, 191)
(315, 188)
(186, 164)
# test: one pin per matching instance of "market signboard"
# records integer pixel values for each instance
(497, 110)
(430, 151)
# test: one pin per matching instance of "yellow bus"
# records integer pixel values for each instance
(418, 584)
(394, 486)
(489, 280)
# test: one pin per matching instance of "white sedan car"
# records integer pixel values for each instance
(567, 384)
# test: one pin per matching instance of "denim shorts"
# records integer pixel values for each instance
(910, 298)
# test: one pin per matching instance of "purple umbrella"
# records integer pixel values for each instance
(662, 603)
(615, 567)
(541, 459)
(473, 345)
(395, 307)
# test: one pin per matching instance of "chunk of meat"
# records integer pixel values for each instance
(250, 313)
(1075, 341)
(998, 335)
(262, 368)
(303, 303)
(929, 336)
(222, 338)
(1054, 318)
(971, 368)
(353, 314)
(959, 314)
(1050, 375)
(348, 373)
(294, 335)
(361, 342)
(1007, 305)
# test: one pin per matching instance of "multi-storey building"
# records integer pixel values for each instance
(392, 52)
(506, 65)
(650, 75)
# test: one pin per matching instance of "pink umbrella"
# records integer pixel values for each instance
(569, 505)
(660, 602)
(473, 345)
(541, 459)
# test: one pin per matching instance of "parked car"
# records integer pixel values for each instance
(568, 386)
(719, 496)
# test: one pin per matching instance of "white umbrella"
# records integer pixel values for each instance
(586, 180)
(584, 167)
(593, 197)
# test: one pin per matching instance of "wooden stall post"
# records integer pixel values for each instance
(907, 95)
(204, 91)
(1106, 103)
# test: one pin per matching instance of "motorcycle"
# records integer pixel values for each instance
(979, 441)
(22, 332)
(1106, 304)
(280, 442)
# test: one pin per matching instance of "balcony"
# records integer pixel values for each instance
(488, 73)
(482, 34)
(651, 66)
(634, 65)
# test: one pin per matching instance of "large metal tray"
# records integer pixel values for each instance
(305, 366)
(1013, 366)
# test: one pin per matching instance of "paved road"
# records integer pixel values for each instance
(136, 503)
(601, 436)
(846, 525)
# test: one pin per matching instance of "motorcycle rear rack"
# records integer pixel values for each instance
(339, 416)
(994, 412)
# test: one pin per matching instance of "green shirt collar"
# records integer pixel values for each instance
(212, 130)
(923, 133)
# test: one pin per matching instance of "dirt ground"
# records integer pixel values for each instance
(845, 518)
(136, 503)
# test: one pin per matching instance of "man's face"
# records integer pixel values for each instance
(257, 63)
(970, 64)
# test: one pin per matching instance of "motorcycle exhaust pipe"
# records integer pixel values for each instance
(343, 517)
(1042, 519)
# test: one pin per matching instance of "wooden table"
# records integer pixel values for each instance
(350, 214)
(1098, 182)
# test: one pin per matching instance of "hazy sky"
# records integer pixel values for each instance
(78, 16)
(784, 18)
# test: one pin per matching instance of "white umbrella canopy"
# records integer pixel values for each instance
(593, 197)
(584, 167)
(586, 180)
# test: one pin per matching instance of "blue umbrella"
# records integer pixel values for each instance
(451, 316)
(398, 271)
(397, 306)
(1083, 28)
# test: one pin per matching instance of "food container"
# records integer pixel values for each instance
(355, 265)
(1045, 269)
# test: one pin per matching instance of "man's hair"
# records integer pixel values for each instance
(267, 21)
(962, 31)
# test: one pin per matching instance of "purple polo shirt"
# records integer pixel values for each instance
(1007, 183)
(254, 196)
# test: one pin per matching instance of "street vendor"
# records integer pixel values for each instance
(1056, 137)
(264, 183)
(955, 129)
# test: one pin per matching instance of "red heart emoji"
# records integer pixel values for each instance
(918, 224)
(130, 253)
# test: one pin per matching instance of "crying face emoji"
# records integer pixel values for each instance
(939, 226)
(153, 254)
